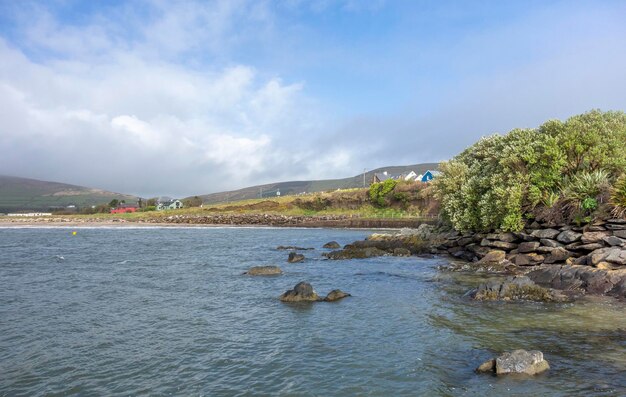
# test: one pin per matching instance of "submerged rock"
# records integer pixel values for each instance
(335, 295)
(332, 245)
(302, 292)
(292, 248)
(264, 271)
(513, 289)
(516, 362)
(294, 257)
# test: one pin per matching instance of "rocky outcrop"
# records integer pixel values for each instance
(302, 292)
(335, 295)
(587, 279)
(294, 257)
(292, 248)
(264, 271)
(514, 289)
(355, 253)
(516, 362)
(332, 245)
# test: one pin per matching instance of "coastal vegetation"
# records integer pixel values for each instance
(565, 171)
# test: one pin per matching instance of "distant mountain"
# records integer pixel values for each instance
(18, 194)
(296, 187)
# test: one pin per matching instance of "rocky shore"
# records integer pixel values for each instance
(275, 220)
(570, 259)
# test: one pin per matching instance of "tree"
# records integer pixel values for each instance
(114, 203)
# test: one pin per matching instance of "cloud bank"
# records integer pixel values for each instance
(158, 98)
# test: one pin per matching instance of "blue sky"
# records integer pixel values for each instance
(212, 95)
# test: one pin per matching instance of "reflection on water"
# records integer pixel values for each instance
(167, 311)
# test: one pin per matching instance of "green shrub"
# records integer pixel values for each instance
(501, 179)
(378, 192)
(618, 197)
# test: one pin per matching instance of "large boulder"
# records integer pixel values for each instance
(294, 257)
(332, 245)
(516, 362)
(264, 271)
(335, 295)
(302, 292)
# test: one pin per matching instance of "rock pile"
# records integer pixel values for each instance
(304, 292)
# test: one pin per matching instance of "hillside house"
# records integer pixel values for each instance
(169, 205)
(429, 175)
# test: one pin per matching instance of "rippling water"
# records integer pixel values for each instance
(167, 312)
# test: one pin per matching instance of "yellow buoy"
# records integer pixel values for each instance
(73, 233)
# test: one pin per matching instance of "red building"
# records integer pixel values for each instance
(124, 208)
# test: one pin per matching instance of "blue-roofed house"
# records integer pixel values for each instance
(429, 175)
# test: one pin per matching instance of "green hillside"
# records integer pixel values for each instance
(297, 187)
(21, 194)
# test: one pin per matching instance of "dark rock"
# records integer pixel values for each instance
(513, 288)
(529, 246)
(589, 247)
(545, 250)
(593, 237)
(292, 248)
(335, 295)
(545, 233)
(568, 236)
(294, 257)
(332, 245)
(524, 237)
(405, 252)
(302, 292)
(619, 233)
(573, 246)
(264, 271)
(530, 259)
(550, 243)
(557, 255)
(614, 241)
(611, 226)
(586, 278)
(521, 362)
(465, 241)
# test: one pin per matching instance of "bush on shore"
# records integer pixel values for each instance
(503, 180)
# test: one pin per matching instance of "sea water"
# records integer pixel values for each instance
(167, 311)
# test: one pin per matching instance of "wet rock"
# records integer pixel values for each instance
(488, 366)
(513, 289)
(557, 255)
(593, 237)
(521, 362)
(545, 233)
(529, 246)
(332, 245)
(356, 253)
(302, 292)
(530, 259)
(294, 257)
(568, 236)
(335, 295)
(264, 271)
(292, 248)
